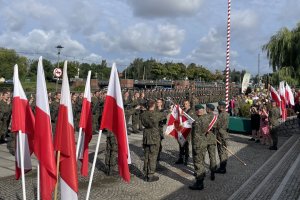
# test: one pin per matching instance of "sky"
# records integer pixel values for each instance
(167, 30)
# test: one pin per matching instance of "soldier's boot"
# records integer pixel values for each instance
(222, 168)
(212, 175)
(152, 178)
(186, 160)
(198, 185)
(179, 161)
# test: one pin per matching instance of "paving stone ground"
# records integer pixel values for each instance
(174, 179)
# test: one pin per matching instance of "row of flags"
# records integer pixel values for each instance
(57, 157)
(284, 97)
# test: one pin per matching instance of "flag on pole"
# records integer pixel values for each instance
(179, 125)
(289, 95)
(22, 120)
(65, 143)
(283, 101)
(86, 125)
(43, 145)
(113, 119)
(275, 96)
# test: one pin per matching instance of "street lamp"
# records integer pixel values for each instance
(59, 48)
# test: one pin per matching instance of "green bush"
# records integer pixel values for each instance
(245, 110)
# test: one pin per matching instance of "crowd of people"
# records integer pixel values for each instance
(149, 111)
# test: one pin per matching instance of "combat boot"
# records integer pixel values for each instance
(222, 168)
(179, 161)
(212, 175)
(152, 178)
(198, 185)
(186, 160)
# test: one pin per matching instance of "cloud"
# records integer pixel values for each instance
(141, 38)
(43, 42)
(164, 8)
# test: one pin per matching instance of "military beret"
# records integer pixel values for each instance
(210, 106)
(199, 106)
(221, 103)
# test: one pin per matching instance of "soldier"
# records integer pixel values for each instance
(95, 110)
(274, 115)
(5, 115)
(151, 140)
(184, 150)
(111, 153)
(211, 140)
(160, 108)
(136, 114)
(199, 144)
(222, 135)
(54, 110)
(127, 108)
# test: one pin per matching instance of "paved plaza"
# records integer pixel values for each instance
(268, 174)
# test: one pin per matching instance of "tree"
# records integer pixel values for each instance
(48, 68)
(8, 58)
(283, 49)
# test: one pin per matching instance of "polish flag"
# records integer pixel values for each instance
(289, 95)
(23, 121)
(65, 143)
(275, 96)
(283, 100)
(86, 125)
(179, 125)
(43, 145)
(113, 119)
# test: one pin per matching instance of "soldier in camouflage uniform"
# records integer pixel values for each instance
(5, 114)
(199, 144)
(95, 110)
(136, 113)
(54, 110)
(111, 153)
(151, 140)
(274, 115)
(184, 151)
(222, 136)
(211, 141)
(160, 108)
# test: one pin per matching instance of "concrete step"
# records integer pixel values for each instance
(265, 181)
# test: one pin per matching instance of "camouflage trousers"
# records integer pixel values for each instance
(111, 152)
(211, 149)
(150, 160)
(223, 155)
(199, 162)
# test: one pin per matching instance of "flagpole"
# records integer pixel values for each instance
(38, 182)
(78, 142)
(57, 165)
(93, 167)
(22, 164)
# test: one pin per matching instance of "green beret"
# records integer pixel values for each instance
(221, 103)
(198, 106)
(210, 106)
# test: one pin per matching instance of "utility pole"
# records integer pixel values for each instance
(59, 48)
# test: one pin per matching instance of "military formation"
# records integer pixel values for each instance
(148, 111)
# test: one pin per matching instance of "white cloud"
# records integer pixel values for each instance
(164, 8)
(141, 38)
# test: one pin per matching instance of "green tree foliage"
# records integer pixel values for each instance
(283, 49)
(8, 58)
(48, 69)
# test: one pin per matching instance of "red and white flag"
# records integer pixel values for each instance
(179, 125)
(65, 143)
(86, 125)
(275, 96)
(43, 145)
(289, 95)
(283, 101)
(22, 120)
(113, 119)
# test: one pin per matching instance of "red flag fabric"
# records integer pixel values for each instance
(22, 120)
(179, 125)
(283, 101)
(43, 145)
(289, 95)
(113, 119)
(275, 96)
(86, 125)
(65, 143)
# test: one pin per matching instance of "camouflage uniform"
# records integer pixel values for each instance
(111, 152)
(274, 115)
(54, 106)
(211, 143)
(151, 141)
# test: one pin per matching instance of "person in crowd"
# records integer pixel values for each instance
(264, 125)
(255, 120)
(274, 115)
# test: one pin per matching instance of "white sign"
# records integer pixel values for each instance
(57, 72)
